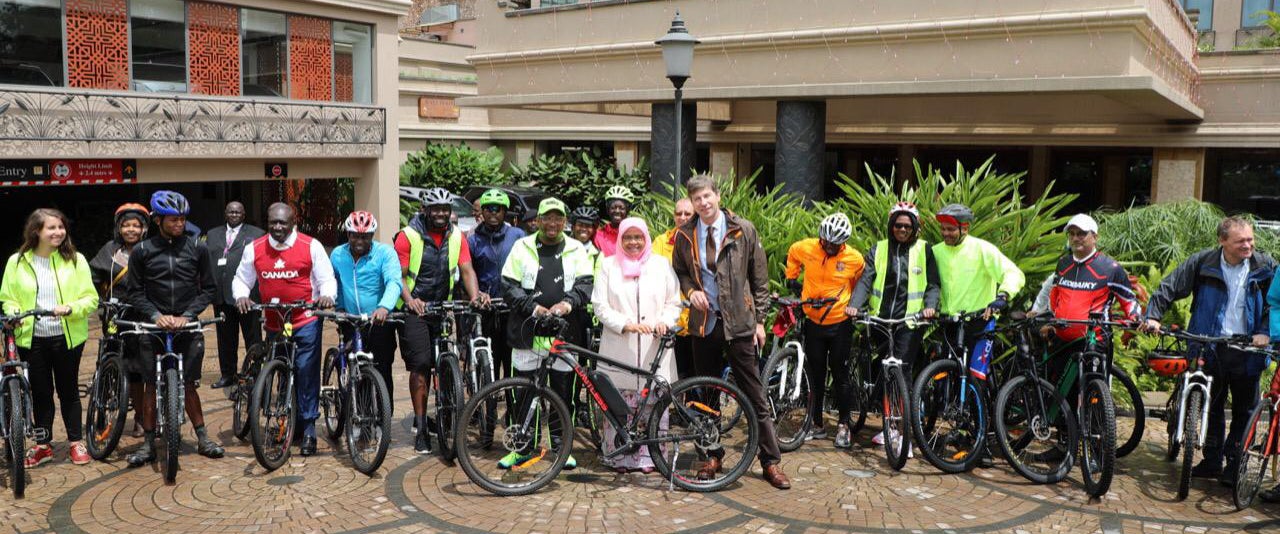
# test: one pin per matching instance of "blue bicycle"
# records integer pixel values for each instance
(353, 396)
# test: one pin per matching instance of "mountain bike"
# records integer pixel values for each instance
(16, 421)
(171, 395)
(477, 365)
(786, 382)
(273, 405)
(890, 381)
(1261, 442)
(448, 390)
(1033, 421)
(677, 423)
(108, 403)
(353, 396)
(241, 393)
(950, 398)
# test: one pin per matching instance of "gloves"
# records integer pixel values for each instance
(795, 286)
(999, 303)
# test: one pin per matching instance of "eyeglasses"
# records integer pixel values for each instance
(903, 227)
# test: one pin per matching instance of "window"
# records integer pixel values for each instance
(1251, 13)
(1206, 13)
(352, 62)
(31, 42)
(264, 46)
(158, 30)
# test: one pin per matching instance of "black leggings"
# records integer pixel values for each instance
(55, 367)
(562, 385)
(827, 347)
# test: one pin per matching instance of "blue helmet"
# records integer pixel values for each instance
(165, 202)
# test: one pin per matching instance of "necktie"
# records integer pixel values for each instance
(710, 249)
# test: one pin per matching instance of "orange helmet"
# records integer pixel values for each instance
(132, 206)
(1167, 363)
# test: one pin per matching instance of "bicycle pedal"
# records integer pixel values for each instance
(82, 390)
(38, 435)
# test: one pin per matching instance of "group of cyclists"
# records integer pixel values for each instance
(165, 277)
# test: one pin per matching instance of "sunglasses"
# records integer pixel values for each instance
(492, 208)
(903, 227)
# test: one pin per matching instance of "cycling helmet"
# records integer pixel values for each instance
(360, 222)
(585, 213)
(836, 229)
(131, 208)
(904, 207)
(955, 214)
(620, 192)
(169, 203)
(1167, 363)
(495, 196)
(437, 196)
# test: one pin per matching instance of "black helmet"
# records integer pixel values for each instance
(585, 213)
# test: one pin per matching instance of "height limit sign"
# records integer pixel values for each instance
(277, 170)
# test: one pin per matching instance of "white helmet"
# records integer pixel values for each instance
(836, 229)
(904, 207)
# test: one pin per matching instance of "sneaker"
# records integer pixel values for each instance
(816, 433)
(571, 463)
(422, 443)
(878, 438)
(39, 455)
(512, 458)
(209, 448)
(842, 437)
(79, 454)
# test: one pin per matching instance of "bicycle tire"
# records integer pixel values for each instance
(369, 413)
(172, 428)
(735, 412)
(1253, 455)
(448, 401)
(1190, 434)
(271, 421)
(1097, 426)
(711, 430)
(1016, 405)
(509, 393)
(793, 415)
(243, 392)
(16, 444)
(332, 396)
(858, 401)
(1131, 417)
(896, 421)
(108, 408)
(960, 446)
(1172, 415)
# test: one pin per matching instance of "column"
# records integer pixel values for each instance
(906, 169)
(662, 164)
(525, 151)
(1038, 175)
(1177, 174)
(626, 153)
(724, 159)
(800, 148)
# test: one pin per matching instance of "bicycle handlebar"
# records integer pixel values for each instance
(812, 303)
(138, 327)
(285, 306)
(357, 318)
(917, 318)
(23, 315)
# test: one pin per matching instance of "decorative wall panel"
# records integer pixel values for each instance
(97, 44)
(343, 74)
(213, 31)
(310, 58)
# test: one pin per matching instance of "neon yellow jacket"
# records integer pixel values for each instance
(972, 273)
(75, 289)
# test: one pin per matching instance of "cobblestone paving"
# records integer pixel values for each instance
(834, 491)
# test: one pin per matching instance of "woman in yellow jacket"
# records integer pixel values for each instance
(48, 273)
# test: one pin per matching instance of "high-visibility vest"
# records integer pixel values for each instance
(917, 278)
(415, 258)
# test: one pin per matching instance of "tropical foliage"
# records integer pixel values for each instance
(580, 178)
(1164, 234)
(453, 167)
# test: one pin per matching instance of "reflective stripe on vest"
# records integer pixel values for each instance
(415, 258)
(917, 278)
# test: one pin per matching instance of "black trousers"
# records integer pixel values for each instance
(234, 325)
(561, 383)
(684, 357)
(494, 326)
(1231, 376)
(827, 347)
(54, 367)
(379, 340)
(712, 351)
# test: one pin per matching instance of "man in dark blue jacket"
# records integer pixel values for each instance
(1228, 285)
(490, 244)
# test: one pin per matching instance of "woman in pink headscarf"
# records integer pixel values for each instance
(636, 298)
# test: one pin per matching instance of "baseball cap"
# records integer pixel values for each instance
(552, 204)
(1084, 222)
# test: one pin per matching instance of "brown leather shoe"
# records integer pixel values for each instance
(709, 469)
(776, 478)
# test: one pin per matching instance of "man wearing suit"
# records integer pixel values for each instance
(226, 246)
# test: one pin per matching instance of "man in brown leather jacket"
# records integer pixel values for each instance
(730, 298)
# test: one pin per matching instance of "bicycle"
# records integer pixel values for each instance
(477, 365)
(891, 381)
(1261, 441)
(950, 399)
(170, 386)
(16, 425)
(449, 392)
(787, 383)
(273, 405)
(1034, 426)
(353, 396)
(540, 431)
(255, 356)
(108, 403)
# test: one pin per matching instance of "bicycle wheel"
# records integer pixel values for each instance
(1253, 454)
(688, 435)
(727, 404)
(1098, 438)
(1036, 430)
(368, 420)
(448, 402)
(243, 390)
(791, 399)
(271, 420)
(1171, 418)
(172, 428)
(1190, 435)
(535, 440)
(1131, 417)
(332, 411)
(16, 404)
(858, 401)
(897, 442)
(108, 408)
(947, 417)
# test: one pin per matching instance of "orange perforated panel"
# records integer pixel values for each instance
(213, 31)
(343, 72)
(310, 58)
(97, 44)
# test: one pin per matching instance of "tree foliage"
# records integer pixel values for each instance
(580, 178)
(453, 167)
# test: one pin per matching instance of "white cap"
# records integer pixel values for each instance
(1084, 222)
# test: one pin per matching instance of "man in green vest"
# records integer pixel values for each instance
(900, 279)
(433, 256)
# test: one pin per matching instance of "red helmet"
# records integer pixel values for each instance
(360, 222)
(1167, 363)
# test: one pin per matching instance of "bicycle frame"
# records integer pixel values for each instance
(1193, 380)
(14, 369)
(958, 349)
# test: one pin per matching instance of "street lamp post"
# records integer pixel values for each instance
(677, 53)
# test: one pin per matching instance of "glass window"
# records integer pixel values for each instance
(1251, 13)
(158, 30)
(1249, 181)
(352, 62)
(1206, 13)
(264, 46)
(31, 42)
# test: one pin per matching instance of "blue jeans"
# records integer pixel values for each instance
(307, 374)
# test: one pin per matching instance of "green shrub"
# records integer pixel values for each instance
(581, 178)
(453, 167)
(1272, 38)
(1164, 234)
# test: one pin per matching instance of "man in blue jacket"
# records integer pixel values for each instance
(490, 245)
(1227, 284)
(368, 276)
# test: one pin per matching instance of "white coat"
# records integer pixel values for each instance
(652, 297)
